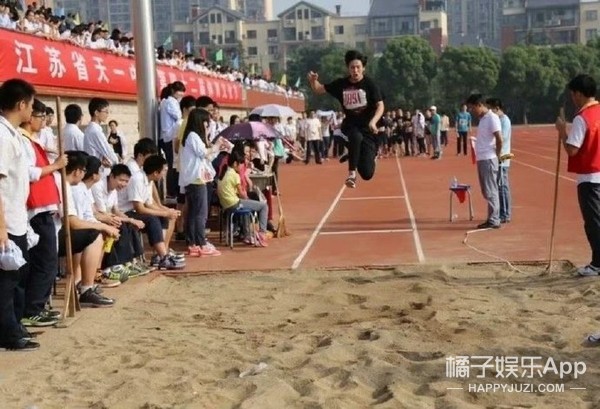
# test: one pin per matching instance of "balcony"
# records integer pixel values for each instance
(272, 39)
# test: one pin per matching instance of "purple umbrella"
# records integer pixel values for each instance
(250, 131)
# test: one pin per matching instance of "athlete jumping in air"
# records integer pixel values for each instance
(362, 103)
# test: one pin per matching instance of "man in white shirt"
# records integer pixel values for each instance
(314, 138)
(48, 138)
(95, 142)
(159, 221)
(488, 148)
(86, 235)
(72, 134)
(16, 100)
(127, 251)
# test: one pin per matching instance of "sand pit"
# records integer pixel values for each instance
(329, 339)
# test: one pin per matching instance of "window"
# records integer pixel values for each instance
(317, 33)
(213, 19)
(338, 29)
(289, 34)
(230, 37)
(219, 18)
(591, 15)
(590, 34)
(299, 13)
(306, 11)
(203, 20)
(229, 18)
(315, 14)
(290, 16)
(300, 36)
(273, 49)
(272, 33)
(204, 37)
(251, 34)
(252, 51)
(360, 29)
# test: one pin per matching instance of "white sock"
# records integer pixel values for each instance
(85, 288)
(352, 174)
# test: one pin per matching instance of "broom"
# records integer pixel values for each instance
(281, 227)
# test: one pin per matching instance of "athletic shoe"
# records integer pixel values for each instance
(588, 271)
(38, 321)
(351, 182)
(261, 240)
(488, 225)
(593, 338)
(193, 251)
(209, 250)
(177, 255)
(116, 273)
(91, 298)
(171, 263)
(105, 282)
(52, 314)
(155, 260)
(22, 344)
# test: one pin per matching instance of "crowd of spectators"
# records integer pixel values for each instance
(44, 22)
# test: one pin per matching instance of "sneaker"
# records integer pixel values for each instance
(52, 314)
(193, 251)
(176, 255)
(29, 336)
(105, 282)
(344, 158)
(593, 338)
(488, 225)
(22, 344)
(209, 250)
(116, 273)
(171, 263)
(137, 269)
(351, 182)
(588, 271)
(155, 260)
(38, 321)
(91, 298)
(261, 240)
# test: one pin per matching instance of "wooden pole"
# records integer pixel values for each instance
(555, 204)
(71, 299)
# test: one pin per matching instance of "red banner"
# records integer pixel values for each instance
(63, 65)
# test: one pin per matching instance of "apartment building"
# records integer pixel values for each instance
(475, 22)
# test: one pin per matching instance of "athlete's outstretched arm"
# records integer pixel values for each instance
(317, 87)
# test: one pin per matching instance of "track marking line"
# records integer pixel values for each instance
(411, 214)
(339, 233)
(317, 230)
(348, 199)
(543, 170)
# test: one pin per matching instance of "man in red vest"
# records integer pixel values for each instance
(42, 205)
(582, 144)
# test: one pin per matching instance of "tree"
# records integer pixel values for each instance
(463, 71)
(407, 68)
(327, 61)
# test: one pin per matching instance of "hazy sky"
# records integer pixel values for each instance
(349, 7)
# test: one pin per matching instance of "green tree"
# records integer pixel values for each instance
(463, 71)
(407, 68)
(327, 61)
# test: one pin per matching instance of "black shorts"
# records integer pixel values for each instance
(80, 240)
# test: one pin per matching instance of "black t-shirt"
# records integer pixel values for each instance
(359, 100)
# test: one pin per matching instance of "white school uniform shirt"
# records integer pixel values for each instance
(123, 195)
(313, 129)
(104, 200)
(73, 137)
(83, 202)
(14, 186)
(49, 140)
(485, 145)
(139, 190)
(170, 113)
(96, 144)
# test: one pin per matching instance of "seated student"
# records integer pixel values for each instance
(156, 218)
(128, 250)
(86, 237)
(229, 190)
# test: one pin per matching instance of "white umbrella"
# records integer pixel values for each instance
(271, 110)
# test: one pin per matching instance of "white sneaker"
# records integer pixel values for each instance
(588, 271)
(593, 338)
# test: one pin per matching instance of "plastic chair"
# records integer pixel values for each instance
(230, 216)
(458, 190)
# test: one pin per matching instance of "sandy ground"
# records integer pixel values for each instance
(329, 339)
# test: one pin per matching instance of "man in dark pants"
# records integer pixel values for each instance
(581, 144)
(43, 205)
(363, 105)
(16, 99)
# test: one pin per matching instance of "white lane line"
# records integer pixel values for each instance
(339, 233)
(411, 214)
(539, 156)
(317, 230)
(542, 170)
(372, 198)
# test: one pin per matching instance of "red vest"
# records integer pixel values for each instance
(587, 159)
(43, 192)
